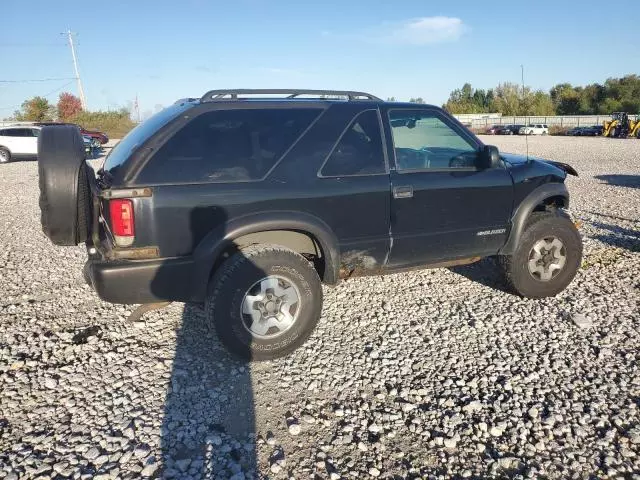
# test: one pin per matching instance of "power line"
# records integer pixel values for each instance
(20, 44)
(38, 80)
(45, 95)
(58, 89)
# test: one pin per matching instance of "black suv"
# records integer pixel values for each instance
(249, 200)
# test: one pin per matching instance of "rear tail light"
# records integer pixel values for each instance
(122, 221)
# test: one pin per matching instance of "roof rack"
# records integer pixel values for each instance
(184, 100)
(213, 95)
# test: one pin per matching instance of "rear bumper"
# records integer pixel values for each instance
(142, 281)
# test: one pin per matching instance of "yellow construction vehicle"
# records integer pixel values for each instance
(617, 127)
(634, 127)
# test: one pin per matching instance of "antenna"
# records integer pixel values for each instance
(526, 136)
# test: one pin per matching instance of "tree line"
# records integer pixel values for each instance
(616, 94)
(69, 109)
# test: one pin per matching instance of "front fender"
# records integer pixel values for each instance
(216, 241)
(528, 204)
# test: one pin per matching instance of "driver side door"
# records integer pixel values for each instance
(443, 206)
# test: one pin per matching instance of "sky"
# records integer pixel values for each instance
(163, 50)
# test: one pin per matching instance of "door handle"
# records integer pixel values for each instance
(405, 191)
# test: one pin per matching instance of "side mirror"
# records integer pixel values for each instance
(488, 157)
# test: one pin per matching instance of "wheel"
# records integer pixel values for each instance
(264, 302)
(510, 132)
(64, 176)
(545, 133)
(5, 155)
(546, 258)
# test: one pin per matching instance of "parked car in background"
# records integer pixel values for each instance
(19, 143)
(99, 136)
(510, 129)
(493, 130)
(575, 131)
(89, 145)
(592, 131)
(537, 129)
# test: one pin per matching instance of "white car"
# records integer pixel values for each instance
(18, 142)
(538, 129)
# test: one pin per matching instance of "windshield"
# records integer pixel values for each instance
(136, 137)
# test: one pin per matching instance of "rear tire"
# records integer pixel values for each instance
(547, 257)
(64, 176)
(5, 155)
(264, 302)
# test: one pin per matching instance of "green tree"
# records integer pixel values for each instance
(468, 100)
(624, 93)
(566, 99)
(591, 99)
(115, 124)
(416, 100)
(36, 109)
(391, 99)
(541, 104)
(508, 99)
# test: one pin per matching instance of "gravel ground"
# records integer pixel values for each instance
(432, 374)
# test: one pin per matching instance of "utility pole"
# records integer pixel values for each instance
(83, 100)
(137, 108)
(523, 96)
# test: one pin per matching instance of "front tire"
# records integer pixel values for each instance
(264, 302)
(5, 155)
(547, 257)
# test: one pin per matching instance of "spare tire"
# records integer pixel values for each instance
(65, 196)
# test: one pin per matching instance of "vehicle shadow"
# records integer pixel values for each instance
(621, 237)
(486, 272)
(208, 428)
(630, 181)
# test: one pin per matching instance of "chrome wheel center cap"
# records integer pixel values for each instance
(270, 307)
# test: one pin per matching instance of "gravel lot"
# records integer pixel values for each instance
(433, 374)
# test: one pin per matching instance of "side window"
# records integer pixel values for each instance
(35, 132)
(359, 150)
(228, 146)
(423, 141)
(12, 132)
(23, 132)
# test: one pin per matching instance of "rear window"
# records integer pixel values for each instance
(228, 146)
(136, 137)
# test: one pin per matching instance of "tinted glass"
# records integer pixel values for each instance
(17, 132)
(228, 146)
(125, 147)
(359, 151)
(423, 140)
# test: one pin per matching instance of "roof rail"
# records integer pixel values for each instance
(184, 100)
(213, 95)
